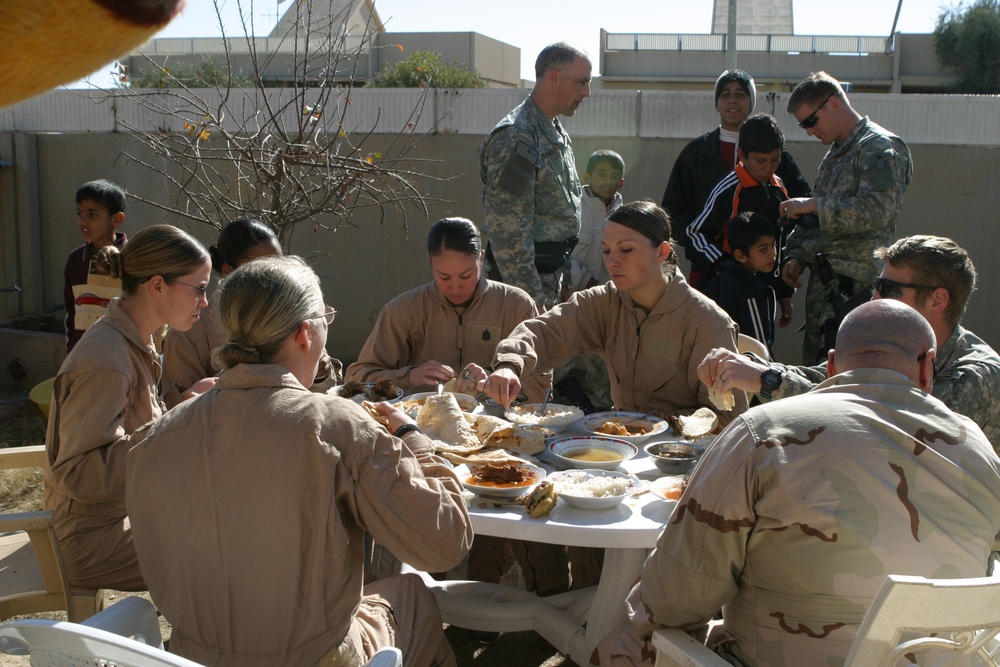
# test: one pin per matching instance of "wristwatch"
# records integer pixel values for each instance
(770, 380)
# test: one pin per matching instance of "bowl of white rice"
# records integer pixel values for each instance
(559, 417)
(594, 489)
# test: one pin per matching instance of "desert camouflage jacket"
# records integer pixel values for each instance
(860, 188)
(532, 193)
(966, 379)
(795, 516)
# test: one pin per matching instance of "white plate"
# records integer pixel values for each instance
(654, 425)
(465, 471)
(357, 398)
(530, 413)
(560, 447)
(563, 480)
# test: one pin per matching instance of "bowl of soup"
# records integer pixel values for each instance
(675, 457)
(591, 452)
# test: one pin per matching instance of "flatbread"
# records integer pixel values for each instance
(487, 426)
(722, 400)
(700, 423)
(521, 439)
(442, 419)
(369, 407)
(484, 455)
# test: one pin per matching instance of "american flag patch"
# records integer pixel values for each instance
(526, 152)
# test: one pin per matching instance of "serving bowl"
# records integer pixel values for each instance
(641, 427)
(367, 395)
(467, 475)
(411, 404)
(581, 488)
(592, 452)
(559, 417)
(674, 457)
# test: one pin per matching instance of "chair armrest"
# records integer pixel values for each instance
(23, 457)
(676, 648)
(40, 520)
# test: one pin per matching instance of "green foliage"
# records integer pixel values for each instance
(212, 72)
(424, 69)
(967, 38)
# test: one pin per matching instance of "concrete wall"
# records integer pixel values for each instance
(953, 193)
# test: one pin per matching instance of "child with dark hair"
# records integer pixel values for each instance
(100, 209)
(740, 286)
(753, 186)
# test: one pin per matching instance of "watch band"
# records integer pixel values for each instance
(770, 380)
(406, 428)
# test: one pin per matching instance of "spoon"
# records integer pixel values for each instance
(545, 401)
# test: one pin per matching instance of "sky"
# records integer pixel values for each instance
(532, 24)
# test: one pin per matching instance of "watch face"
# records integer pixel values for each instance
(771, 378)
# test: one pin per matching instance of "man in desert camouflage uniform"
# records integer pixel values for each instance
(532, 194)
(797, 513)
(935, 276)
(857, 196)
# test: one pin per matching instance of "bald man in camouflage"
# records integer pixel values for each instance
(532, 191)
(797, 513)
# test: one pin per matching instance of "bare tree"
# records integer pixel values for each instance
(276, 150)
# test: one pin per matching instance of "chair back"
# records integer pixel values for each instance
(390, 656)
(32, 574)
(955, 621)
(104, 640)
(745, 343)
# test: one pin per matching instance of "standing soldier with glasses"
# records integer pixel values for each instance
(857, 197)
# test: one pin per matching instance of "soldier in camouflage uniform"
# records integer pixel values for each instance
(858, 193)
(797, 513)
(532, 194)
(935, 276)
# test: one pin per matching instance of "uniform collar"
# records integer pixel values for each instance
(119, 320)
(249, 376)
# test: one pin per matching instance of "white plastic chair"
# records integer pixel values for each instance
(745, 343)
(126, 634)
(955, 622)
(390, 656)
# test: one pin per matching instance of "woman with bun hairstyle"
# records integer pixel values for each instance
(648, 325)
(277, 485)
(106, 392)
(188, 367)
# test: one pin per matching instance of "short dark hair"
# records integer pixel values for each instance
(236, 240)
(458, 234)
(814, 89)
(937, 261)
(645, 217)
(109, 195)
(746, 229)
(605, 155)
(557, 55)
(760, 134)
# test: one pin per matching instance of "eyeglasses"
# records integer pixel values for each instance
(200, 289)
(329, 312)
(810, 121)
(890, 289)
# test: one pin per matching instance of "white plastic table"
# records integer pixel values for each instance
(572, 622)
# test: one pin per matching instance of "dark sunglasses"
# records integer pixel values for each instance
(811, 120)
(890, 289)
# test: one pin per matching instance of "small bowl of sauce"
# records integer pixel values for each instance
(676, 457)
(602, 453)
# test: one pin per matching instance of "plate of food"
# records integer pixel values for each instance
(384, 390)
(594, 489)
(599, 452)
(506, 480)
(559, 417)
(634, 427)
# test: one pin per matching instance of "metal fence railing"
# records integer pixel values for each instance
(857, 45)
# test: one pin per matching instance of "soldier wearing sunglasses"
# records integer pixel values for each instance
(936, 277)
(857, 196)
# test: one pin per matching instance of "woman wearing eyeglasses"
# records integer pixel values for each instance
(188, 367)
(249, 504)
(105, 393)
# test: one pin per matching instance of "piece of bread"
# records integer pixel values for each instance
(442, 419)
(698, 424)
(722, 400)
